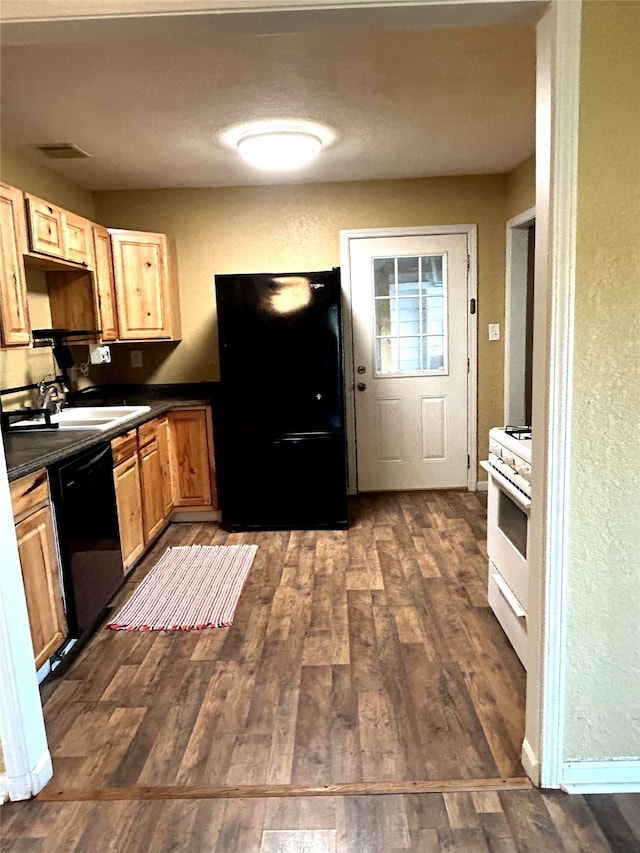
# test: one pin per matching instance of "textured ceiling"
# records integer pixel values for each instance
(151, 102)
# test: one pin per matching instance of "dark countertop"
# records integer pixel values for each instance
(27, 452)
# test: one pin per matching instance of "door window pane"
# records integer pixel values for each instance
(432, 273)
(408, 276)
(410, 314)
(434, 353)
(387, 355)
(408, 355)
(433, 318)
(385, 316)
(384, 276)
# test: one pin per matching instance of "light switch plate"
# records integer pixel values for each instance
(136, 358)
(494, 331)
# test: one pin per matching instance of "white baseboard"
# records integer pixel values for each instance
(28, 784)
(4, 790)
(530, 763)
(614, 776)
(482, 486)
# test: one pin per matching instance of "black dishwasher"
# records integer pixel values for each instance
(84, 500)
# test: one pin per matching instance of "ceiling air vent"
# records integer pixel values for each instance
(62, 151)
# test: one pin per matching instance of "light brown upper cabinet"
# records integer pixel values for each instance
(105, 292)
(57, 233)
(146, 286)
(14, 312)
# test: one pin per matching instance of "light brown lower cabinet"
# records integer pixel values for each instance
(39, 564)
(126, 478)
(167, 463)
(152, 498)
(153, 451)
(164, 446)
(192, 459)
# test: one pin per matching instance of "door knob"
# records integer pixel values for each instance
(362, 386)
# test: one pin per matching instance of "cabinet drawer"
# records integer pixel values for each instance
(509, 613)
(28, 493)
(124, 446)
(147, 432)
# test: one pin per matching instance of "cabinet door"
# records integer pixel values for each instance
(126, 478)
(46, 228)
(14, 311)
(192, 466)
(153, 516)
(164, 446)
(104, 284)
(143, 294)
(78, 239)
(38, 559)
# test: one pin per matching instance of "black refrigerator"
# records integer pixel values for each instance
(281, 443)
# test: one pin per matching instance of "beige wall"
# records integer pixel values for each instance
(298, 227)
(521, 188)
(45, 183)
(603, 653)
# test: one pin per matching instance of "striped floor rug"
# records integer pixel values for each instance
(193, 586)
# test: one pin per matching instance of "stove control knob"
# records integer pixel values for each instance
(523, 469)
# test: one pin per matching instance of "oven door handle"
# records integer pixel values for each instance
(510, 598)
(501, 481)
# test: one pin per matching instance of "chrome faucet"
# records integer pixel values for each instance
(52, 395)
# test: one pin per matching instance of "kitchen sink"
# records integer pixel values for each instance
(90, 417)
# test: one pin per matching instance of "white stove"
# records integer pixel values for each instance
(510, 455)
(509, 502)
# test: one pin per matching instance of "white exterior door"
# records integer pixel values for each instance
(410, 310)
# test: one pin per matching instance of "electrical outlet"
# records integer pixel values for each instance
(136, 358)
(99, 354)
(494, 331)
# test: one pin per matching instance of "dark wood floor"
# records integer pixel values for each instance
(365, 656)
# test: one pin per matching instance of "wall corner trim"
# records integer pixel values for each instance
(4, 788)
(531, 763)
(27, 785)
(609, 776)
(556, 421)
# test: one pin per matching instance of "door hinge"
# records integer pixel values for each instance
(468, 365)
(468, 264)
(468, 461)
(472, 306)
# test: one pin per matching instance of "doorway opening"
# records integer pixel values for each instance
(519, 299)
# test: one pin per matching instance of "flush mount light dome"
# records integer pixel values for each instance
(279, 149)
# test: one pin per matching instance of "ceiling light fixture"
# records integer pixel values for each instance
(279, 149)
